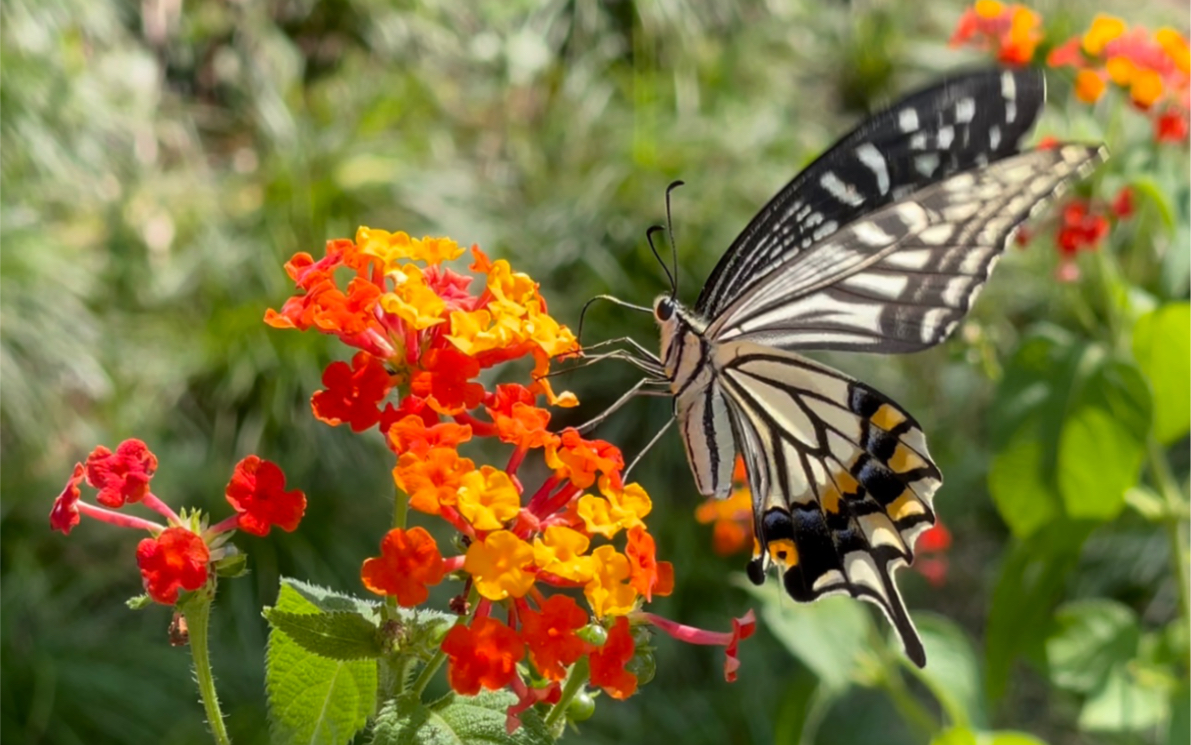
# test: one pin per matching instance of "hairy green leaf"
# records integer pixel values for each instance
(337, 636)
(457, 720)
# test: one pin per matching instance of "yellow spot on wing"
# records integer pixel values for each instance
(887, 417)
(847, 483)
(904, 459)
(905, 506)
(830, 500)
(784, 553)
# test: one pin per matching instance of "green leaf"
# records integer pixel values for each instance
(1179, 730)
(953, 674)
(1009, 737)
(963, 736)
(1031, 581)
(1024, 496)
(829, 636)
(337, 636)
(1162, 347)
(457, 720)
(313, 699)
(1123, 703)
(328, 600)
(1090, 639)
(1103, 441)
(955, 736)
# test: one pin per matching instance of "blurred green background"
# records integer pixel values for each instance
(161, 160)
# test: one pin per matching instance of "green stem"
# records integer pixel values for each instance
(435, 662)
(575, 682)
(197, 612)
(400, 509)
(909, 707)
(1176, 505)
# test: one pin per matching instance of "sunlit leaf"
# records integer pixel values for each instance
(456, 720)
(1090, 639)
(1162, 346)
(1123, 703)
(1102, 443)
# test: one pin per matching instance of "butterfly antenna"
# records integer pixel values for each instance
(614, 301)
(669, 275)
(670, 230)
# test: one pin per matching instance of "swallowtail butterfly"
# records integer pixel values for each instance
(881, 245)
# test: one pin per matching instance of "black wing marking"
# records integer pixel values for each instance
(901, 278)
(964, 122)
(842, 480)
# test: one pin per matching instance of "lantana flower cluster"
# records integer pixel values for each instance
(1154, 68)
(183, 554)
(554, 574)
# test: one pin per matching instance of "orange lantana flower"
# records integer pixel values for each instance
(408, 565)
(608, 662)
(550, 634)
(432, 481)
(484, 654)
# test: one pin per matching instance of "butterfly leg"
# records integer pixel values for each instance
(640, 389)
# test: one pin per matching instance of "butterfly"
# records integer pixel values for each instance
(880, 245)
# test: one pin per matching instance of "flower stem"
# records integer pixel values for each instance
(1176, 505)
(197, 612)
(440, 656)
(575, 682)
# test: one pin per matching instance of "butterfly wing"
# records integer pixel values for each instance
(901, 278)
(964, 122)
(842, 480)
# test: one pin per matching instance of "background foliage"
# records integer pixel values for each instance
(158, 166)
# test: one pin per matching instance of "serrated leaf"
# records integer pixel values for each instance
(324, 599)
(1122, 704)
(1089, 640)
(1162, 347)
(457, 720)
(1103, 441)
(829, 636)
(337, 636)
(953, 673)
(313, 699)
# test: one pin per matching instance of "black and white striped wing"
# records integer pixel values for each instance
(841, 477)
(964, 122)
(901, 278)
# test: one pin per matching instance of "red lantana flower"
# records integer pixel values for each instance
(257, 492)
(409, 563)
(931, 548)
(175, 560)
(64, 515)
(445, 381)
(411, 435)
(484, 654)
(550, 634)
(582, 460)
(607, 662)
(123, 476)
(353, 394)
(647, 576)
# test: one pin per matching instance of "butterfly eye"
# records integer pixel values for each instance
(664, 309)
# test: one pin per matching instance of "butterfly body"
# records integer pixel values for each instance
(879, 246)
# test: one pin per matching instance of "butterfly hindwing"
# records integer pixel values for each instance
(842, 479)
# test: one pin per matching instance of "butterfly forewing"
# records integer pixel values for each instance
(965, 122)
(901, 278)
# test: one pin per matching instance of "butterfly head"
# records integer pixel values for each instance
(664, 308)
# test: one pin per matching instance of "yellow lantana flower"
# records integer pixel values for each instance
(608, 592)
(499, 565)
(616, 510)
(487, 498)
(560, 552)
(1104, 29)
(391, 248)
(412, 300)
